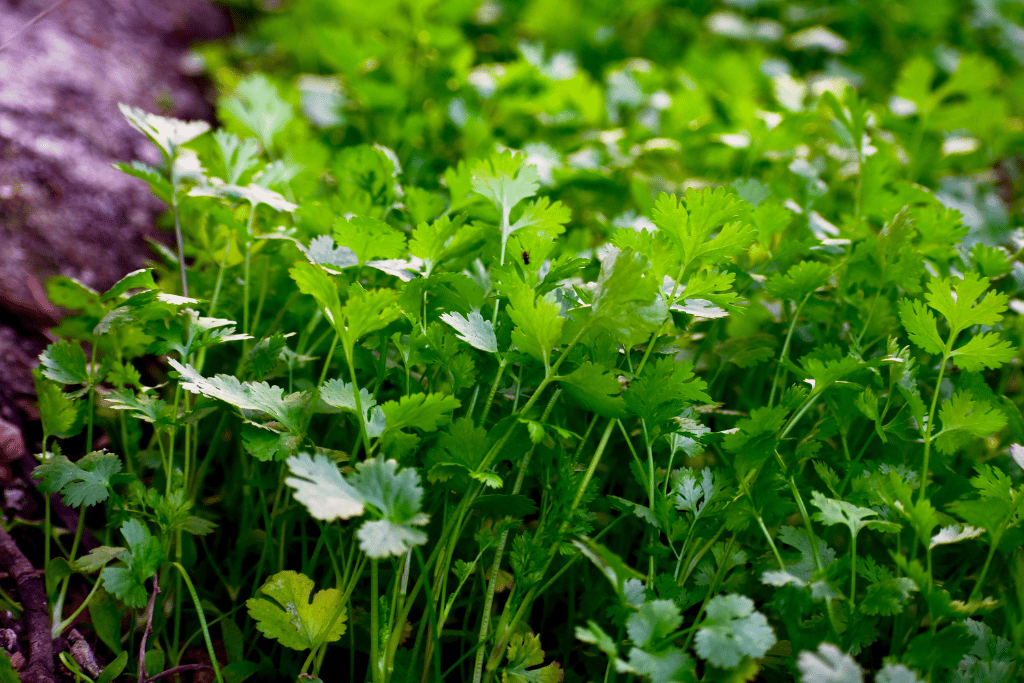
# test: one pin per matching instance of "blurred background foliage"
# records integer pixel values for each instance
(617, 101)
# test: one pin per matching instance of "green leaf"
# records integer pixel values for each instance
(397, 497)
(962, 417)
(369, 238)
(320, 487)
(97, 559)
(954, 534)
(255, 396)
(142, 406)
(505, 180)
(165, 133)
(610, 564)
(653, 622)
(254, 193)
(921, 326)
(73, 295)
(459, 451)
(594, 634)
(7, 672)
(145, 555)
(314, 281)
(59, 413)
(596, 389)
(751, 190)
(693, 495)
(82, 483)
(237, 155)
(113, 670)
(524, 651)
(65, 362)
(425, 412)
(851, 516)
(285, 612)
(690, 229)
(474, 330)
(956, 301)
(339, 395)
(731, 629)
(538, 323)
(366, 312)
(256, 104)
(984, 351)
(664, 389)
(799, 281)
(626, 302)
(828, 665)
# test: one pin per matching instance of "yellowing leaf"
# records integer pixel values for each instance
(285, 613)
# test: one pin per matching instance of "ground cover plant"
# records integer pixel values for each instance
(585, 358)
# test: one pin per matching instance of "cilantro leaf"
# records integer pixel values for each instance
(237, 155)
(366, 312)
(921, 326)
(954, 534)
(59, 412)
(962, 417)
(851, 516)
(896, 673)
(668, 666)
(65, 362)
(165, 133)
(828, 665)
(524, 651)
(97, 559)
(425, 412)
(596, 389)
(691, 495)
(983, 351)
(144, 557)
(339, 395)
(285, 612)
(626, 301)
(731, 629)
(505, 180)
(663, 390)
(312, 280)
(397, 497)
(256, 104)
(255, 396)
(956, 301)
(689, 229)
(653, 621)
(320, 487)
(459, 451)
(799, 281)
(254, 193)
(474, 330)
(82, 483)
(369, 238)
(143, 406)
(322, 251)
(538, 323)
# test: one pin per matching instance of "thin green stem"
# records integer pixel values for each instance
(928, 429)
(377, 671)
(784, 354)
(202, 622)
(179, 239)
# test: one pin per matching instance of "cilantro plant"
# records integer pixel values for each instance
(670, 369)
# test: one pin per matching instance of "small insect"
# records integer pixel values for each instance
(526, 257)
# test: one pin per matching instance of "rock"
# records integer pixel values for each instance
(63, 209)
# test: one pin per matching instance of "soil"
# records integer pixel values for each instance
(64, 210)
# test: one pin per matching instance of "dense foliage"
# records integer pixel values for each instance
(584, 339)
